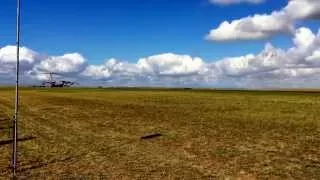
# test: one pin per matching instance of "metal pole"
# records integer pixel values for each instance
(16, 111)
(51, 79)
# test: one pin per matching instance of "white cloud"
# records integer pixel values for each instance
(8, 58)
(68, 63)
(112, 68)
(304, 38)
(228, 2)
(252, 27)
(234, 66)
(303, 9)
(34, 64)
(272, 67)
(298, 66)
(314, 58)
(162, 69)
(8, 55)
(262, 26)
(277, 67)
(170, 65)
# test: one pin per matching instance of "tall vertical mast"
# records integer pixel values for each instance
(16, 111)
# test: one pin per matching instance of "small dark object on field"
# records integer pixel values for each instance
(150, 136)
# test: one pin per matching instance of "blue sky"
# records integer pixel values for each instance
(129, 29)
(166, 42)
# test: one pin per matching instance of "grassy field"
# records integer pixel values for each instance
(206, 134)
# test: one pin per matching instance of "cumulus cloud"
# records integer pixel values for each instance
(162, 69)
(33, 65)
(112, 68)
(154, 66)
(314, 58)
(170, 65)
(272, 67)
(8, 57)
(262, 26)
(228, 2)
(252, 27)
(303, 9)
(68, 63)
(65, 65)
(304, 38)
(298, 66)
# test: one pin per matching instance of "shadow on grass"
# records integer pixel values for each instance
(6, 170)
(10, 141)
(4, 120)
(29, 168)
(4, 128)
(37, 165)
(25, 168)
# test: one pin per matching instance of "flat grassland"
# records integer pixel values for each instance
(206, 134)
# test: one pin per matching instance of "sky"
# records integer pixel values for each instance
(200, 43)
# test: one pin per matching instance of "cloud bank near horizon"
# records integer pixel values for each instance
(298, 66)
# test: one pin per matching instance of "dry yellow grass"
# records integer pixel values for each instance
(206, 134)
